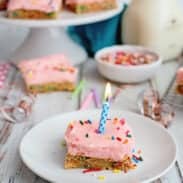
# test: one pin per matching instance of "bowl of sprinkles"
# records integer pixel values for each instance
(127, 63)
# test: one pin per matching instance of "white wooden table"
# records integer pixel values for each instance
(12, 170)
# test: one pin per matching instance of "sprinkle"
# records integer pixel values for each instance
(115, 121)
(89, 121)
(113, 138)
(126, 141)
(135, 160)
(122, 121)
(129, 136)
(63, 144)
(118, 138)
(118, 128)
(71, 126)
(92, 170)
(139, 151)
(81, 122)
(127, 132)
(116, 171)
(141, 159)
(30, 74)
(138, 158)
(87, 135)
(101, 177)
(78, 89)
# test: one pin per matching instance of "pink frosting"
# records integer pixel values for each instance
(113, 144)
(41, 5)
(54, 68)
(180, 76)
(82, 1)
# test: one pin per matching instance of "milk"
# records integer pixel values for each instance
(157, 24)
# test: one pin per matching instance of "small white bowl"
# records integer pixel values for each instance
(131, 73)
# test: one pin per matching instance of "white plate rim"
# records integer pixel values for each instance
(94, 110)
(75, 19)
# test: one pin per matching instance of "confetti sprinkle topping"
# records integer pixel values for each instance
(116, 171)
(63, 143)
(122, 121)
(81, 122)
(115, 121)
(137, 159)
(127, 132)
(118, 128)
(119, 139)
(126, 141)
(71, 126)
(129, 136)
(139, 152)
(92, 170)
(122, 137)
(89, 121)
(101, 177)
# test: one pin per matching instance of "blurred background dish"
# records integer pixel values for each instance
(127, 64)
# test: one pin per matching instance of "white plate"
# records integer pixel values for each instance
(42, 152)
(66, 18)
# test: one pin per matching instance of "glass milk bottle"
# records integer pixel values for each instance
(157, 24)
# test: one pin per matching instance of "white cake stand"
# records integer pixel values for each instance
(45, 36)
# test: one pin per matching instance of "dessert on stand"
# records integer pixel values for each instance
(58, 75)
(49, 36)
(27, 9)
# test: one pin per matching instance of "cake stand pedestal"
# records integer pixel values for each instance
(49, 36)
(45, 41)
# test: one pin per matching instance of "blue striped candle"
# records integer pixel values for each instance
(105, 109)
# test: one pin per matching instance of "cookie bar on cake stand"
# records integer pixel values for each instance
(49, 36)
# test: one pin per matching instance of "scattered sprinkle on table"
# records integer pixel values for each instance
(92, 170)
(63, 143)
(116, 171)
(101, 177)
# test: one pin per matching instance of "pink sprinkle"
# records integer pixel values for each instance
(118, 128)
(118, 138)
(122, 121)
(127, 132)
